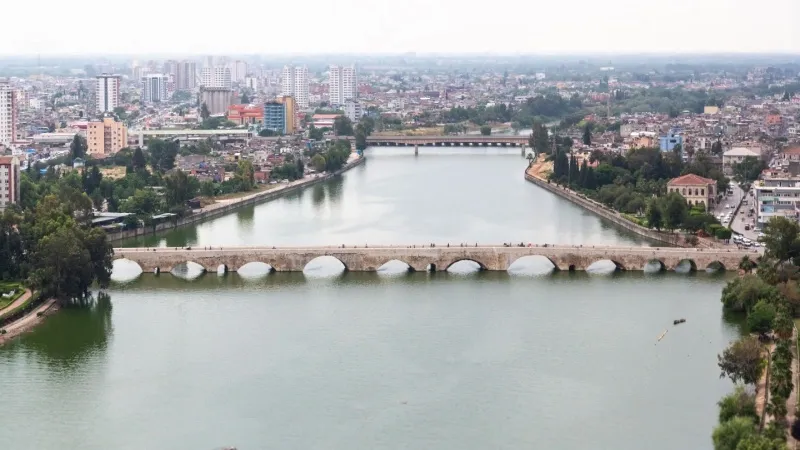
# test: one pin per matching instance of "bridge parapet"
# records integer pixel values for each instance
(369, 259)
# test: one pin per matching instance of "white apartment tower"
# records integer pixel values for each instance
(343, 85)
(238, 71)
(154, 88)
(107, 93)
(8, 114)
(186, 76)
(216, 77)
(295, 83)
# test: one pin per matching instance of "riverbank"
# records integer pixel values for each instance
(28, 321)
(228, 206)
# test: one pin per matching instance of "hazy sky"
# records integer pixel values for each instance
(378, 26)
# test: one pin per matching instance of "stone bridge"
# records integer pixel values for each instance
(460, 140)
(427, 258)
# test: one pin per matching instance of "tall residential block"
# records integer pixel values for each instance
(290, 110)
(107, 93)
(275, 117)
(216, 77)
(294, 82)
(106, 137)
(238, 71)
(343, 84)
(186, 76)
(154, 88)
(9, 181)
(8, 114)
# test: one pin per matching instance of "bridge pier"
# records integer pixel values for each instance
(416, 150)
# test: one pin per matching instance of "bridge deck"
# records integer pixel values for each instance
(423, 257)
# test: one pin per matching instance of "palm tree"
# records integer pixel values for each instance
(746, 264)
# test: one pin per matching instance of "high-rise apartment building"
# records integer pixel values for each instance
(216, 77)
(343, 84)
(186, 76)
(107, 93)
(290, 108)
(238, 71)
(9, 181)
(8, 114)
(106, 137)
(154, 88)
(295, 83)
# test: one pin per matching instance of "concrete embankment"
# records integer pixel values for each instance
(602, 210)
(221, 209)
(28, 321)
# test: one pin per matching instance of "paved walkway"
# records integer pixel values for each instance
(26, 323)
(11, 307)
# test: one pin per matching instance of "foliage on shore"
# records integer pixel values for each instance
(769, 299)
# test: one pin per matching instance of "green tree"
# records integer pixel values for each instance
(675, 211)
(361, 137)
(781, 239)
(728, 435)
(486, 130)
(747, 265)
(207, 189)
(761, 318)
(162, 154)
(742, 361)
(179, 188)
(716, 148)
(78, 147)
(204, 112)
(245, 99)
(245, 176)
(587, 134)
(760, 442)
(539, 140)
(318, 161)
(738, 403)
(749, 169)
(742, 294)
(342, 126)
(315, 133)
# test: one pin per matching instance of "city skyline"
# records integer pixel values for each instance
(445, 26)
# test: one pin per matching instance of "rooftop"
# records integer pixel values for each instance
(690, 180)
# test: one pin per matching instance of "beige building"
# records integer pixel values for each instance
(695, 189)
(291, 112)
(106, 138)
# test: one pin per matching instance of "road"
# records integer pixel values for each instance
(737, 223)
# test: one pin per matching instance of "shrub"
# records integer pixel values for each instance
(761, 318)
(738, 403)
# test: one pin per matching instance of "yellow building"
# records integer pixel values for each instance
(291, 112)
(695, 189)
(106, 138)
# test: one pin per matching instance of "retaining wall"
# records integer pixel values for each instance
(232, 206)
(603, 211)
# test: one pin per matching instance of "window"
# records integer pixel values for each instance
(684, 191)
(702, 192)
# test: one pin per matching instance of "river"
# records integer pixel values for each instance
(376, 361)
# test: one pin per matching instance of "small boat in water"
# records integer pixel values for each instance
(677, 321)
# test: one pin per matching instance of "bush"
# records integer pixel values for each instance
(738, 403)
(742, 294)
(761, 318)
(727, 435)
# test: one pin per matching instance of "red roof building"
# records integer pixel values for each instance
(697, 190)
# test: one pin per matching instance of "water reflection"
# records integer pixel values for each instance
(318, 194)
(67, 339)
(244, 217)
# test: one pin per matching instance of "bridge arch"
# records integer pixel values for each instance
(324, 265)
(124, 270)
(255, 269)
(532, 265)
(394, 267)
(451, 263)
(685, 265)
(715, 267)
(605, 265)
(654, 265)
(188, 270)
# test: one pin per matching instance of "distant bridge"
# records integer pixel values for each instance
(449, 141)
(427, 258)
(189, 134)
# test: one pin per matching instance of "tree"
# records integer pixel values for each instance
(742, 361)
(746, 264)
(315, 133)
(245, 99)
(538, 140)
(486, 130)
(266, 132)
(245, 175)
(179, 188)
(204, 112)
(728, 435)
(587, 134)
(760, 442)
(761, 318)
(749, 169)
(716, 148)
(78, 147)
(361, 137)
(318, 161)
(138, 161)
(742, 294)
(342, 126)
(162, 154)
(675, 210)
(782, 239)
(738, 403)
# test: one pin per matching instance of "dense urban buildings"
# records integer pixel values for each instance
(8, 112)
(295, 83)
(107, 92)
(106, 137)
(238, 70)
(154, 88)
(343, 84)
(9, 181)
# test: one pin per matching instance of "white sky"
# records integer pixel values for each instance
(51, 27)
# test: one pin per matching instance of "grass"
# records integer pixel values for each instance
(637, 220)
(6, 286)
